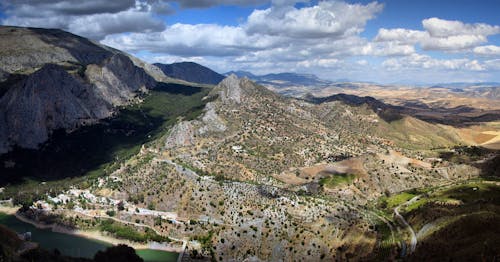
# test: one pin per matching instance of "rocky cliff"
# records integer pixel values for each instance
(51, 79)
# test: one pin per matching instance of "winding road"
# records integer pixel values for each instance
(413, 240)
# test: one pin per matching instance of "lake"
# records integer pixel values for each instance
(75, 246)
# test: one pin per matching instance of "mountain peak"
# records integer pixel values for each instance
(230, 89)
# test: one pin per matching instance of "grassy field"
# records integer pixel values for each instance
(336, 180)
(92, 151)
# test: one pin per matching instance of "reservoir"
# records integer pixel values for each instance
(75, 246)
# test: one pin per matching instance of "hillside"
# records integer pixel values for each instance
(69, 106)
(283, 172)
(97, 140)
(56, 80)
(191, 72)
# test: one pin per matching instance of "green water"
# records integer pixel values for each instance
(75, 246)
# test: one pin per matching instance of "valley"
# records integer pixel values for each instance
(231, 170)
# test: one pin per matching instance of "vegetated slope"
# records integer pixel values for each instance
(52, 80)
(103, 146)
(292, 176)
(191, 72)
(460, 223)
(250, 133)
(271, 131)
(399, 125)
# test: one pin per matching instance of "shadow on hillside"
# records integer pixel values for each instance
(487, 160)
(177, 89)
(461, 116)
(388, 113)
(97, 147)
(74, 154)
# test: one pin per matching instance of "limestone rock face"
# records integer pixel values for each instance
(51, 79)
(211, 121)
(182, 134)
(230, 90)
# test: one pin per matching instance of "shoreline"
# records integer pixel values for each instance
(92, 234)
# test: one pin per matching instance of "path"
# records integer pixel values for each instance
(413, 240)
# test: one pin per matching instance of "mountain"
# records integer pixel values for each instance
(283, 79)
(466, 84)
(191, 72)
(242, 74)
(283, 171)
(53, 79)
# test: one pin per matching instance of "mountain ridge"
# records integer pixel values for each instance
(54, 79)
(284, 79)
(191, 72)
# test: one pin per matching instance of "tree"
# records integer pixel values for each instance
(118, 253)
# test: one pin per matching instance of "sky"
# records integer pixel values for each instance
(386, 41)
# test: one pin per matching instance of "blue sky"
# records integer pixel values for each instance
(391, 41)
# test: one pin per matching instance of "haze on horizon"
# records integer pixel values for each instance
(412, 42)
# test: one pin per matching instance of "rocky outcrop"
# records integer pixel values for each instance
(181, 134)
(211, 122)
(118, 79)
(229, 89)
(46, 100)
(51, 79)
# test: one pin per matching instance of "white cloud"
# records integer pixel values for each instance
(488, 50)
(386, 49)
(418, 61)
(452, 43)
(493, 64)
(258, 39)
(193, 40)
(445, 28)
(441, 34)
(327, 19)
(209, 3)
(93, 19)
(400, 35)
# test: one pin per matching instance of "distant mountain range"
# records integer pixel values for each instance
(191, 72)
(466, 84)
(283, 79)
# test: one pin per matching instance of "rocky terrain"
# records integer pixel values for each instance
(297, 178)
(55, 80)
(237, 172)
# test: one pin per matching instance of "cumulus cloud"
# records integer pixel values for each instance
(281, 31)
(426, 62)
(444, 28)
(441, 34)
(194, 40)
(93, 19)
(27, 8)
(327, 19)
(487, 50)
(386, 49)
(209, 3)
